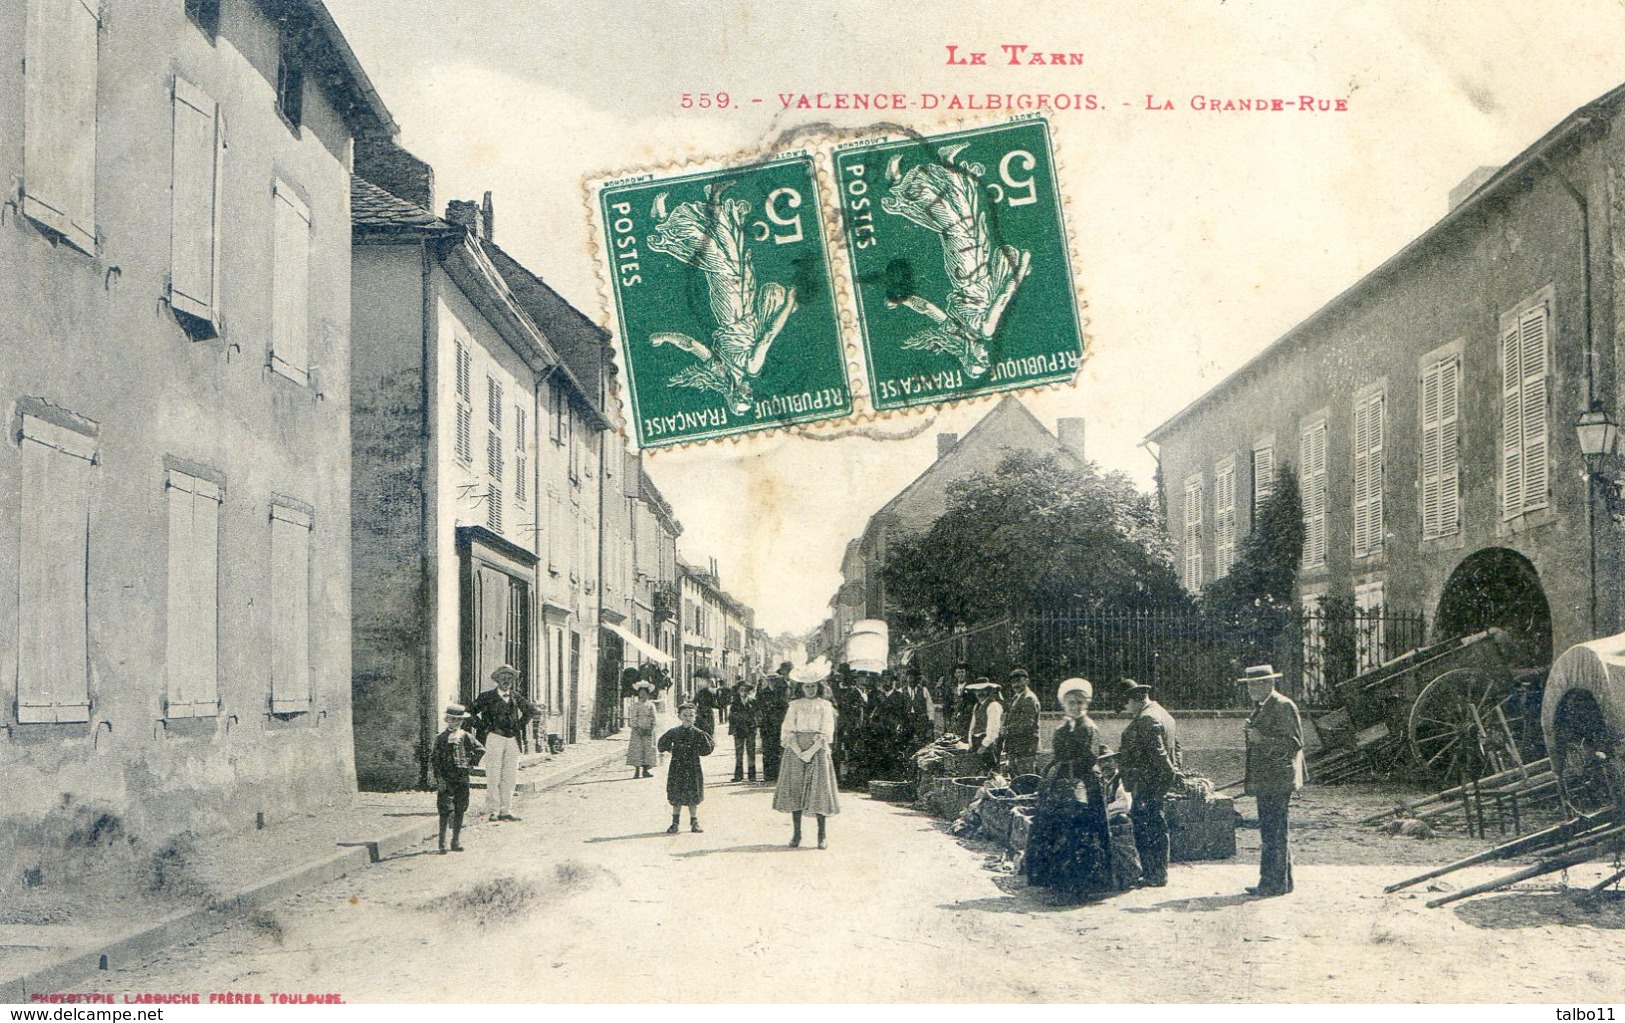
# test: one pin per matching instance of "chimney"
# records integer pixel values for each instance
(945, 443)
(383, 163)
(489, 216)
(1070, 432)
(465, 213)
(1470, 184)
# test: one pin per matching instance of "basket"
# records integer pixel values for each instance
(1021, 826)
(955, 795)
(998, 810)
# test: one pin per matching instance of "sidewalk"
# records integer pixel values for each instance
(189, 889)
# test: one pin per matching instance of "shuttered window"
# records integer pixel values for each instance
(554, 515)
(59, 118)
(561, 413)
(1263, 475)
(1193, 533)
(493, 401)
(1224, 517)
(493, 455)
(520, 442)
(1441, 400)
(1525, 474)
(191, 653)
(53, 537)
(493, 508)
(465, 403)
(290, 308)
(1368, 475)
(194, 208)
(1312, 466)
(290, 610)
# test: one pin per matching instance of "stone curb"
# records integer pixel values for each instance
(74, 968)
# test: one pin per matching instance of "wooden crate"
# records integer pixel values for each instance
(1201, 829)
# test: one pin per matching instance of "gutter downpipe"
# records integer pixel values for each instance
(429, 684)
(1590, 374)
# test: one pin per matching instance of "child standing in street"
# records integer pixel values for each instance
(685, 780)
(455, 752)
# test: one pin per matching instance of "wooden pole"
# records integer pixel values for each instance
(1580, 853)
(1574, 828)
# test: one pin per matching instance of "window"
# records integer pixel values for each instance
(199, 144)
(493, 508)
(520, 487)
(1263, 476)
(205, 14)
(1224, 517)
(1368, 475)
(290, 610)
(53, 682)
(59, 118)
(1524, 472)
(290, 84)
(465, 405)
(290, 286)
(554, 547)
(1369, 641)
(191, 654)
(1312, 463)
(573, 448)
(493, 455)
(1441, 397)
(561, 413)
(493, 401)
(1193, 533)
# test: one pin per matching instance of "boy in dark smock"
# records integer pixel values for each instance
(454, 754)
(685, 780)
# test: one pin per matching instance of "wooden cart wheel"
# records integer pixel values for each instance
(1459, 729)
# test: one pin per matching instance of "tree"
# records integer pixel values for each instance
(1254, 602)
(1034, 534)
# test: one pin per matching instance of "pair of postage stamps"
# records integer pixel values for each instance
(950, 269)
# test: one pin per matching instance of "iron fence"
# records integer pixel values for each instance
(1191, 660)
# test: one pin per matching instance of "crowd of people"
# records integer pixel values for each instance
(817, 734)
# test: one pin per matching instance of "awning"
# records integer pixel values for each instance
(643, 647)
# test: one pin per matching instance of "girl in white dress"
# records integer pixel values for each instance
(807, 777)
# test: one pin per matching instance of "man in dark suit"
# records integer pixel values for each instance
(1274, 772)
(921, 728)
(771, 707)
(851, 718)
(1148, 757)
(742, 726)
(1020, 728)
(890, 729)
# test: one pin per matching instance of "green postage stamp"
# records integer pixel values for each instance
(960, 263)
(722, 289)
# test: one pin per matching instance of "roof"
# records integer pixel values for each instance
(343, 78)
(1530, 161)
(374, 210)
(579, 341)
(1009, 414)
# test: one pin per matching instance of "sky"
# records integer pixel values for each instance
(1200, 236)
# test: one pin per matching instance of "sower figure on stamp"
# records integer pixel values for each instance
(455, 753)
(501, 716)
(1148, 758)
(1274, 772)
(742, 726)
(1020, 725)
(685, 778)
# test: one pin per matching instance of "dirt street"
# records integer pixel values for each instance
(587, 899)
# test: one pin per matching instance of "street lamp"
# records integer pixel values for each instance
(1599, 435)
(1599, 440)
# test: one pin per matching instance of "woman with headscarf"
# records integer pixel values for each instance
(640, 752)
(806, 774)
(1069, 847)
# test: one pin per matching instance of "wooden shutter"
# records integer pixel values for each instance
(1511, 424)
(493, 401)
(1449, 502)
(463, 368)
(493, 508)
(1224, 513)
(1193, 533)
(1532, 344)
(1368, 474)
(54, 531)
(290, 611)
(493, 455)
(1312, 458)
(191, 654)
(194, 202)
(1263, 475)
(1440, 401)
(290, 310)
(59, 118)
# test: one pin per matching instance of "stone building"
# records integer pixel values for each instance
(1430, 413)
(476, 442)
(174, 482)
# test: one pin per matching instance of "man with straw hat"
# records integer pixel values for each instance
(500, 718)
(1274, 771)
(454, 754)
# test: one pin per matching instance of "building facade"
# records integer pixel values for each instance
(1430, 413)
(175, 376)
(475, 457)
